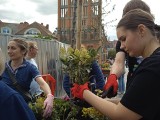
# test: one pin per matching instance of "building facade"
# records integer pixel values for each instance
(90, 20)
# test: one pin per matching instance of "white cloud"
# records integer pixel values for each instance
(117, 13)
(42, 11)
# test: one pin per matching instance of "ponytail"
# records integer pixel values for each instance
(157, 27)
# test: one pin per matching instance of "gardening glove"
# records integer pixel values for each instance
(111, 87)
(48, 105)
(77, 90)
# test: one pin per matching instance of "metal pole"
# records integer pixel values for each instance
(100, 28)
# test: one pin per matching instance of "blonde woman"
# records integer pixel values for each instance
(25, 72)
(35, 89)
(13, 106)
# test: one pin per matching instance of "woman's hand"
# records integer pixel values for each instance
(48, 105)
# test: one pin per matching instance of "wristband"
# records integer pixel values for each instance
(50, 95)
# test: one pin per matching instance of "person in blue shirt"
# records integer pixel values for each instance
(24, 73)
(13, 106)
(98, 78)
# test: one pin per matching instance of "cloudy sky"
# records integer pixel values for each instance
(45, 11)
(117, 13)
(42, 11)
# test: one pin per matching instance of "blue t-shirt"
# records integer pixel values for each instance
(12, 105)
(23, 74)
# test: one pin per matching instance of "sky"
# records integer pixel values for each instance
(45, 11)
(115, 15)
(41, 11)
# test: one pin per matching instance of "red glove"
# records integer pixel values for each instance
(77, 90)
(112, 81)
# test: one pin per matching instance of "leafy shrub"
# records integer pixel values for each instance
(66, 110)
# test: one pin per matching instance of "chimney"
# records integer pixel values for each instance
(26, 23)
(47, 26)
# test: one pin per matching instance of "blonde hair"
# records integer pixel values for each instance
(32, 44)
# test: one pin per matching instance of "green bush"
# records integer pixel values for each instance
(66, 110)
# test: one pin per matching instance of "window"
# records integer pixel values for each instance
(6, 30)
(95, 9)
(62, 12)
(83, 22)
(85, 11)
(95, 1)
(32, 31)
(66, 2)
(85, 1)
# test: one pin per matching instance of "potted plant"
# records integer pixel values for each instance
(77, 63)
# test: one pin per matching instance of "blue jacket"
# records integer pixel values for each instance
(13, 106)
(97, 78)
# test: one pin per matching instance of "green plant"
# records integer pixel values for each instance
(44, 37)
(93, 114)
(77, 63)
(61, 109)
(65, 110)
(106, 66)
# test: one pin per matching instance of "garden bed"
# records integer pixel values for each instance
(66, 110)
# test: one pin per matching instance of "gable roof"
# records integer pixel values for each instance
(44, 31)
(19, 29)
(14, 26)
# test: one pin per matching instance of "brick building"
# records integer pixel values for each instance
(91, 33)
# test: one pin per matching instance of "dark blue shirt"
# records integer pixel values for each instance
(24, 74)
(97, 78)
(12, 105)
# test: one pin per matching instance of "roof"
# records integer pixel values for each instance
(44, 31)
(20, 28)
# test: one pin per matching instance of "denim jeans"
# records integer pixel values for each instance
(121, 86)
